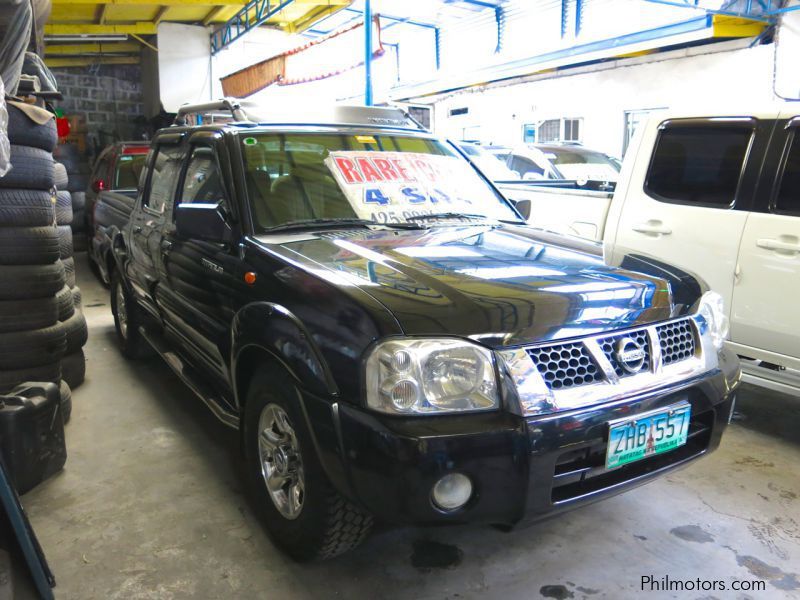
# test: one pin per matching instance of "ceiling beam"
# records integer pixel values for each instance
(101, 13)
(142, 28)
(151, 2)
(98, 48)
(161, 14)
(213, 14)
(85, 61)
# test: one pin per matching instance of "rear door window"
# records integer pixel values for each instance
(699, 164)
(787, 199)
(164, 178)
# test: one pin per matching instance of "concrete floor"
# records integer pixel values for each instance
(151, 505)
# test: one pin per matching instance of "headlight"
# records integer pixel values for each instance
(430, 376)
(712, 311)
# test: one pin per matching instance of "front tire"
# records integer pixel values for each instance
(127, 320)
(302, 512)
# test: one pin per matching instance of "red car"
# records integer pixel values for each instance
(112, 190)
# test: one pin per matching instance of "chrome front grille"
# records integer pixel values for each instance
(565, 365)
(583, 362)
(676, 340)
(608, 346)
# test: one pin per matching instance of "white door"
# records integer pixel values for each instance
(765, 315)
(683, 204)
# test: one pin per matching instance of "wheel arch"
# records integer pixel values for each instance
(264, 332)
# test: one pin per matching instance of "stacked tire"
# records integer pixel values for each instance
(73, 365)
(77, 180)
(37, 308)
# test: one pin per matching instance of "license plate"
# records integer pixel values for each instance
(648, 434)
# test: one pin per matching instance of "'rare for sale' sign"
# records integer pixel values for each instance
(389, 187)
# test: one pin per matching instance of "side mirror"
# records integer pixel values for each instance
(202, 222)
(523, 207)
(98, 185)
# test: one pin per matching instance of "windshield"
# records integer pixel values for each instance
(491, 166)
(129, 167)
(582, 164)
(300, 177)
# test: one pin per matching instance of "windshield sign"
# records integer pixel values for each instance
(392, 186)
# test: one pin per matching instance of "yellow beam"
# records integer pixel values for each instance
(312, 16)
(213, 14)
(142, 28)
(101, 13)
(104, 48)
(736, 27)
(144, 42)
(160, 14)
(91, 60)
(152, 2)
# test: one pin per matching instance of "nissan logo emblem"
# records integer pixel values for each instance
(630, 355)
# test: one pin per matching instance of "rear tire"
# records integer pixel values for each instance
(128, 318)
(326, 524)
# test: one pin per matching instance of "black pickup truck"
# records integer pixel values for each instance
(392, 340)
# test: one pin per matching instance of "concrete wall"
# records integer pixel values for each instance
(726, 73)
(110, 98)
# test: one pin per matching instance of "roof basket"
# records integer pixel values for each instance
(231, 105)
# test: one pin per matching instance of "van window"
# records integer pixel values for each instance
(788, 198)
(698, 164)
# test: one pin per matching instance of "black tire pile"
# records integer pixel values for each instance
(77, 178)
(42, 329)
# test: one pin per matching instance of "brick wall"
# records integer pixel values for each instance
(110, 98)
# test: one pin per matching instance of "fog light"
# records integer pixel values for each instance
(452, 491)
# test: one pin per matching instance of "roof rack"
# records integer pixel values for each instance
(231, 105)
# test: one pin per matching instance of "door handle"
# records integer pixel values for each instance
(166, 246)
(782, 246)
(653, 227)
(137, 229)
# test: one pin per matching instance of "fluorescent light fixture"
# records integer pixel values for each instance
(87, 37)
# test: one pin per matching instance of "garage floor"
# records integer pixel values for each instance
(150, 505)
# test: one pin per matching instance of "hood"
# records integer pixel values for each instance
(500, 285)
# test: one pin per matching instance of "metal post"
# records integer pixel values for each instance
(368, 53)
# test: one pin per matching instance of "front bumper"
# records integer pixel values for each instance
(522, 468)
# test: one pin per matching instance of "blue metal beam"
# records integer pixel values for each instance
(500, 20)
(368, 52)
(564, 10)
(480, 3)
(253, 14)
(406, 20)
(437, 41)
(578, 17)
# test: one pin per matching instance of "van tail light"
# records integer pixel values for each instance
(98, 185)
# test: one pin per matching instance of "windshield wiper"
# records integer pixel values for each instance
(336, 223)
(447, 215)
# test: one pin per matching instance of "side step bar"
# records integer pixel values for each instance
(189, 377)
(786, 381)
